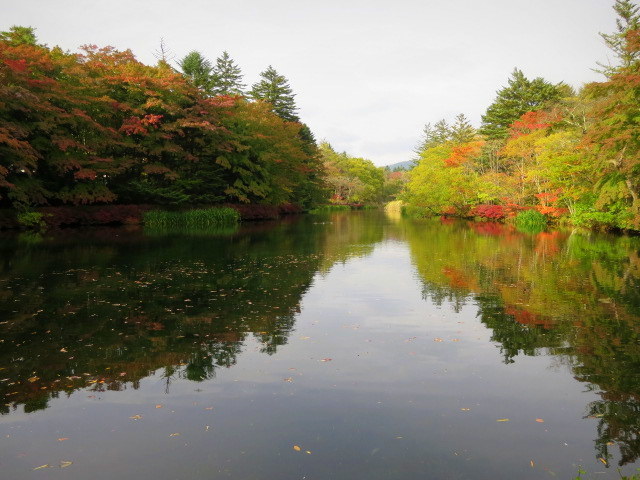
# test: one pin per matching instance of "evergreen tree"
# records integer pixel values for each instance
(432, 136)
(197, 69)
(226, 77)
(17, 35)
(441, 133)
(520, 96)
(274, 88)
(628, 19)
(462, 131)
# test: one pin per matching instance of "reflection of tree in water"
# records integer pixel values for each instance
(577, 296)
(103, 308)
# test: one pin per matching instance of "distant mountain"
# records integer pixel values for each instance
(407, 165)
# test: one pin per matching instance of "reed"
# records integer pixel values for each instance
(191, 219)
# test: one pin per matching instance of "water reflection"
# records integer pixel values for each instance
(575, 296)
(104, 309)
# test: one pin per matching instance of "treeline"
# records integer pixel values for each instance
(572, 156)
(355, 180)
(101, 127)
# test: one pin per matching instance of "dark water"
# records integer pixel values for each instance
(352, 346)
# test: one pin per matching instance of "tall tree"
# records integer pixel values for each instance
(197, 69)
(628, 20)
(462, 131)
(274, 89)
(226, 77)
(18, 35)
(520, 96)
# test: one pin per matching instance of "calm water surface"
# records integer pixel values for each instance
(350, 346)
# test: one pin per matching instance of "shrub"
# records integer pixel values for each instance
(492, 212)
(531, 221)
(33, 220)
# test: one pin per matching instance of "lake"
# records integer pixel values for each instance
(341, 346)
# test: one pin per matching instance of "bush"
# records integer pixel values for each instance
(492, 212)
(33, 220)
(531, 221)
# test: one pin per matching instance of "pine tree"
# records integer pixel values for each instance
(441, 132)
(274, 88)
(462, 131)
(197, 69)
(520, 96)
(628, 19)
(432, 136)
(226, 77)
(18, 35)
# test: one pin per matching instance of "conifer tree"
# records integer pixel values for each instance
(18, 35)
(226, 77)
(628, 19)
(197, 69)
(274, 88)
(462, 131)
(520, 96)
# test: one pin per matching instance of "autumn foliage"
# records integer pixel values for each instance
(100, 127)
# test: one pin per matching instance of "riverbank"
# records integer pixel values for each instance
(90, 215)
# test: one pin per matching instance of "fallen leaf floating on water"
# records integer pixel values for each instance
(174, 435)
(32, 379)
(159, 405)
(288, 379)
(437, 339)
(62, 439)
(603, 460)
(296, 448)
(208, 408)
(532, 464)
(465, 409)
(63, 350)
(539, 420)
(46, 465)
(136, 417)
(65, 463)
(502, 420)
(308, 452)
(325, 360)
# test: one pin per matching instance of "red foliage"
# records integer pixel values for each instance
(16, 65)
(495, 212)
(85, 174)
(491, 229)
(525, 317)
(133, 125)
(530, 122)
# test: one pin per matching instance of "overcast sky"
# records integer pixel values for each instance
(368, 74)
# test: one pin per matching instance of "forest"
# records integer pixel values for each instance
(543, 149)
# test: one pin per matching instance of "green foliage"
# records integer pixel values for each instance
(226, 77)
(191, 219)
(520, 96)
(197, 69)
(330, 208)
(274, 89)
(531, 221)
(32, 220)
(462, 131)
(17, 35)
(352, 179)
